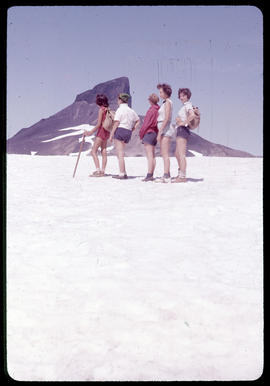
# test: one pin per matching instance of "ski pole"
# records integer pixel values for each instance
(79, 155)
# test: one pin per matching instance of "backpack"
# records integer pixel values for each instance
(196, 120)
(108, 121)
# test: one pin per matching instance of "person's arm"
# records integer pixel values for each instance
(190, 116)
(136, 124)
(168, 109)
(180, 122)
(115, 125)
(90, 132)
(145, 124)
(117, 119)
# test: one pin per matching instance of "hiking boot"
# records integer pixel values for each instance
(124, 177)
(96, 173)
(165, 179)
(179, 179)
(180, 174)
(149, 177)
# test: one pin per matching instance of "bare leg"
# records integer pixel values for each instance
(150, 154)
(165, 146)
(154, 159)
(180, 154)
(104, 155)
(94, 151)
(120, 146)
(177, 153)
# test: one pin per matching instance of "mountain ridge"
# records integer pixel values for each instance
(84, 111)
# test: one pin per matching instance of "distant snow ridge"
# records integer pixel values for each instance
(89, 139)
(78, 130)
(196, 153)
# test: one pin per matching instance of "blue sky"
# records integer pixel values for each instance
(54, 53)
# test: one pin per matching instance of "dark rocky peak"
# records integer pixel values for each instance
(110, 88)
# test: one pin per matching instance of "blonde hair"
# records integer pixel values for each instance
(153, 98)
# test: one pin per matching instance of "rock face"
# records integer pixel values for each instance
(84, 111)
(111, 89)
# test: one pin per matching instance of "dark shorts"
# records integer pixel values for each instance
(122, 134)
(150, 138)
(182, 132)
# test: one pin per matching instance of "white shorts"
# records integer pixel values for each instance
(168, 131)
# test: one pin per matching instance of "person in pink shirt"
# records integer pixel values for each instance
(148, 135)
(102, 136)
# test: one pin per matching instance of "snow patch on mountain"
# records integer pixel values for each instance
(197, 154)
(78, 130)
(84, 126)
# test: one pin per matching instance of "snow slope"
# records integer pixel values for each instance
(125, 280)
(197, 154)
(76, 130)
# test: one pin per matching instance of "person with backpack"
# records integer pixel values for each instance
(126, 121)
(102, 136)
(165, 129)
(184, 117)
(148, 135)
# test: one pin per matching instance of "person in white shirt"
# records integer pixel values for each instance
(166, 130)
(126, 121)
(185, 115)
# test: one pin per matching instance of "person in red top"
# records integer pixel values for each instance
(101, 136)
(148, 135)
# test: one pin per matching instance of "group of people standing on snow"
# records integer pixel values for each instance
(156, 128)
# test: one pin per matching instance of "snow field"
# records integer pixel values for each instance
(125, 280)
